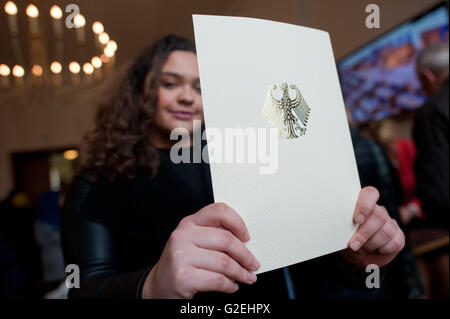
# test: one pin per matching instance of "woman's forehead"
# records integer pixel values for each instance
(181, 63)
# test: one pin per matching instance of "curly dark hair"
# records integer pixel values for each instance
(120, 146)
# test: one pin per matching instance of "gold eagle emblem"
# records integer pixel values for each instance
(286, 113)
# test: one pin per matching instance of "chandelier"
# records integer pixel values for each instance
(96, 63)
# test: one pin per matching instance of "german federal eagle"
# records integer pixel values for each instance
(279, 112)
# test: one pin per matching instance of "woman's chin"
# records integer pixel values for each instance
(184, 125)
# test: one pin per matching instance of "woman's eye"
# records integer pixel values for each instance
(169, 84)
(196, 87)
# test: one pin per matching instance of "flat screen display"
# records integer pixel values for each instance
(379, 80)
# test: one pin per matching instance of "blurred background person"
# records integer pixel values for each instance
(47, 233)
(431, 134)
(401, 152)
(19, 257)
(432, 163)
(375, 168)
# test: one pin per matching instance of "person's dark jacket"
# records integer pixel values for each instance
(432, 163)
(375, 169)
(116, 231)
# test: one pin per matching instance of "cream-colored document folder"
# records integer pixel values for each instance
(273, 89)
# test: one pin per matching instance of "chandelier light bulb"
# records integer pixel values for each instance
(79, 20)
(103, 38)
(88, 68)
(104, 58)
(112, 44)
(109, 52)
(10, 8)
(74, 67)
(96, 62)
(37, 70)
(97, 27)
(18, 71)
(56, 67)
(56, 12)
(4, 70)
(32, 11)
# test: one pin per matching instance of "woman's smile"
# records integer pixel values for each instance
(183, 115)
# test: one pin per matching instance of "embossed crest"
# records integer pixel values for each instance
(286, 113)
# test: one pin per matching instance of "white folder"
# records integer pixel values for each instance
(305, 208)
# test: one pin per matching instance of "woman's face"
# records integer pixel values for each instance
(179, 96)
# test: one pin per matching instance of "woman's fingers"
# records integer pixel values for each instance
(394, 245)
(382, 237)
(367, 200)
(374, 222)
(222, 240)
(222, 263)
(206, 252)
(205, 280)
(220, 215)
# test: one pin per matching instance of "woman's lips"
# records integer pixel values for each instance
(182, 115)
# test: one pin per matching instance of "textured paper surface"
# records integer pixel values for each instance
(305, 209)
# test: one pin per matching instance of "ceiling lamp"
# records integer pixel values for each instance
(105, 48)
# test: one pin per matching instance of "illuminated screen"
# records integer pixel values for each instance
(379, 79)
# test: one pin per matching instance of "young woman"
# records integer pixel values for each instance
(140, 226)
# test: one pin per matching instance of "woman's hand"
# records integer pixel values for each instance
(206, 252)
(378, 238)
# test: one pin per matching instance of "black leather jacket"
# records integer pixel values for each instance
(116, 231)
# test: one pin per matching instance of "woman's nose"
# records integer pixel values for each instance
(186, 96)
